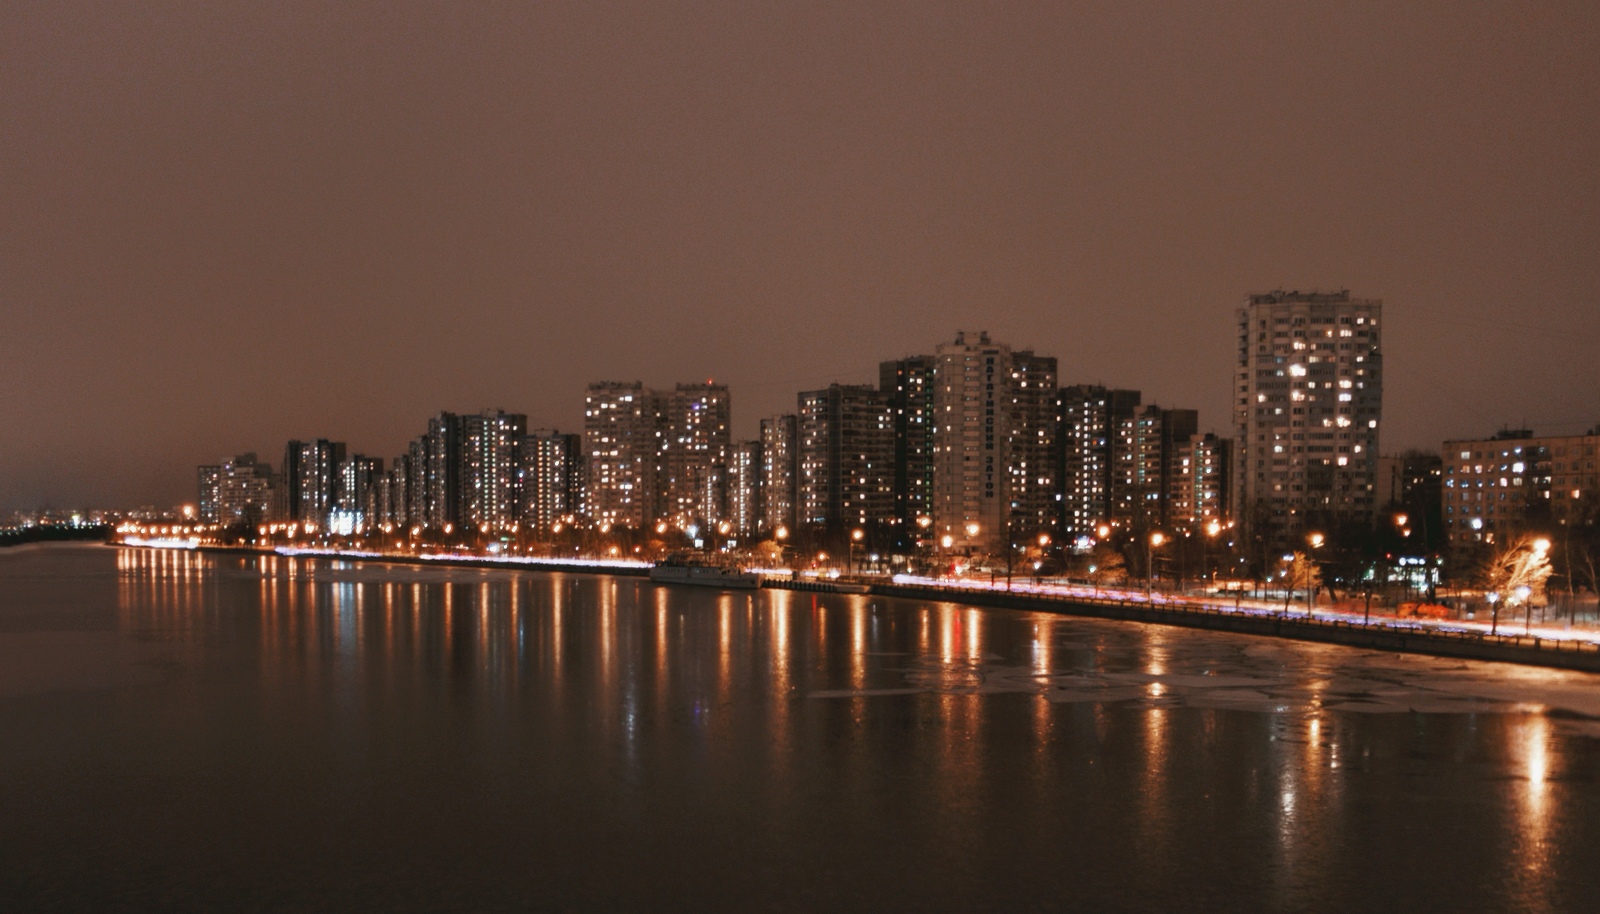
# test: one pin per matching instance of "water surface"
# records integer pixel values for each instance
(190, 732)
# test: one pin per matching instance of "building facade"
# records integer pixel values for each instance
(1518, 481)
(1210, 480)
(971, 478)
(622, 432)
(355, 507)
(488, 473)
(318, 470)
(694, 455)
(1034, 484)
(744, 502)
(845, 458)
(780, 472)
(1089, 419)
(1309, 403)
(436, 474)
(1147, 467)
(549, 476)
(909, 384)
(240, 490)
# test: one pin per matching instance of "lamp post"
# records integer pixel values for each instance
(1315, 540)
(1541, 547)
(923, 544)
(1156, 539)
(1213, 530)
(856, 536)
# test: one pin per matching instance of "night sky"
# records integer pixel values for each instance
(223, 225)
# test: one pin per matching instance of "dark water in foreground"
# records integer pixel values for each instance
(182, 732)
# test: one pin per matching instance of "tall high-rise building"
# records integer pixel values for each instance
(435, 493)
(1090, 417)
(1202, 475)
(970, 476)
(358, 480)
(994, 429)
(288, 497)
(488, 473)
(390, 500)
(846, 457)
(744, 488)
(209, 481)
(1309, 392)
(1146, 465)
(780, 472)
(622, 432)
(1031, 428)
(694, 454)
(240, 490)
(417, 483)
(319, 479)
(550, 471)
(909, 382)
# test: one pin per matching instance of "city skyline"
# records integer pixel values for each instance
(229, 229)
(1207, 425)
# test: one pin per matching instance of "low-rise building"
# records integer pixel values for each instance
(1517, 480)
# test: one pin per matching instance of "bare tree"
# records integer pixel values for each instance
(1514, 574)
(1107, 567)
(1299, 571)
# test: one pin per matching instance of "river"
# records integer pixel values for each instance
(195, 732)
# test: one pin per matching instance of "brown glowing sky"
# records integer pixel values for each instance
(227, 224)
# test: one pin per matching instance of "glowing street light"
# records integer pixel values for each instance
(1155, 540)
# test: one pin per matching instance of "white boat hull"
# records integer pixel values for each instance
(705, 576)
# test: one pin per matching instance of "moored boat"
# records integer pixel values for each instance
(673, 571)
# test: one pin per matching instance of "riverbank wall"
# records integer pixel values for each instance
(1381, 636)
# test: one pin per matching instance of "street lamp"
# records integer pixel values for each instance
(856, 536)
(1213, 530)
(1541, 547)
(1156, 539)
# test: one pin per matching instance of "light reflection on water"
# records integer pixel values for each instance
(921, 755)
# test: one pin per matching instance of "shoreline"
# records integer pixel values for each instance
(1525, 650)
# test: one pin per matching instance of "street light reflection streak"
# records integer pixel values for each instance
(1534, 842)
